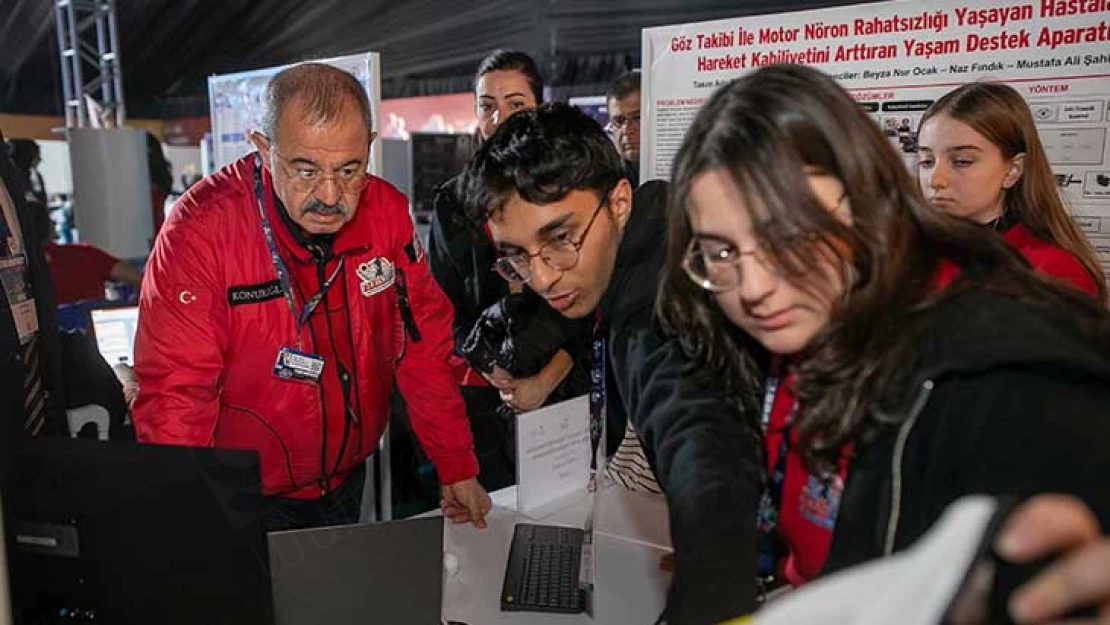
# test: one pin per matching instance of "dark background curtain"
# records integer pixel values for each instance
(168, 48)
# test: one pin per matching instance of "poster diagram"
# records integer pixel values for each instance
(237, 108)
(896, 58)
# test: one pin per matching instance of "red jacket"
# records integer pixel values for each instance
(213, 318)
(1051, 260)
(1046, 258)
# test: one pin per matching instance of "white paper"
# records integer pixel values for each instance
(553, 453)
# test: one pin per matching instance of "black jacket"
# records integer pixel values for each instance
(461, 257)
(520, 333)
(1019, 403)
(704, 456)
(632, 172)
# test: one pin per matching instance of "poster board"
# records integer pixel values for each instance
(896, 58)
(236, 104)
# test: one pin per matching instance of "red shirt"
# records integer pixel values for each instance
(810, 503)
(78, 271)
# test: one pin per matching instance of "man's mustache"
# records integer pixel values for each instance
(316, 206)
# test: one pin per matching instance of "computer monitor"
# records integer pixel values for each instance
(115, 532)
(114, 331)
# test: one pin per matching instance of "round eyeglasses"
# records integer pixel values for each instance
(622, 122)
(306, 178)
(714, 264)
(560, 253)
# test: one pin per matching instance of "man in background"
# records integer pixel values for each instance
(623, 102)
(26, 157)
(79, 270)
(31, 395)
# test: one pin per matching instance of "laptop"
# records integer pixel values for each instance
(378, 574)
(114, 330)
(542, 574)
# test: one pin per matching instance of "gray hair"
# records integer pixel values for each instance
(323, 91)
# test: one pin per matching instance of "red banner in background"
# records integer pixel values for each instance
(452, 113)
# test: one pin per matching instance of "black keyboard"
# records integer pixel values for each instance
(542, 573)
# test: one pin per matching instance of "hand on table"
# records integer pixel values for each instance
(466, 501)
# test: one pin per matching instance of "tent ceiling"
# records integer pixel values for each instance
(169, 47)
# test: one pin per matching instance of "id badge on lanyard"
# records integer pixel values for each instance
(292, 363)
(586, 572)
(297, 365)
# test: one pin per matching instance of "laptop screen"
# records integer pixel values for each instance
(114, 330)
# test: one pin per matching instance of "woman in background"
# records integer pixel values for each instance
(980, 158)
(460, 253)
(891, 392)
(461, 257)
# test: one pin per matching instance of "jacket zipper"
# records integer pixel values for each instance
(896, 465)
(354, 369)
(346, 378)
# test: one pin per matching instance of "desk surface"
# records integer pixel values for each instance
(631, 531)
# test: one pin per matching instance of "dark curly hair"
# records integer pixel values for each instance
(542, 155)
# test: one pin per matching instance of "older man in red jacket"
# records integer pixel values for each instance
(284, 296)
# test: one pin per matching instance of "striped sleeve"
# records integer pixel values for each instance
(629, 466)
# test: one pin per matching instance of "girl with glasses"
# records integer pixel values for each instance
(914, 360)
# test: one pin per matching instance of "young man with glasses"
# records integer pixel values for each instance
(282, 300)
(563, 216)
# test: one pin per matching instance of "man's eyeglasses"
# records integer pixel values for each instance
(305, 178)
(622, 122)
(560, 253)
